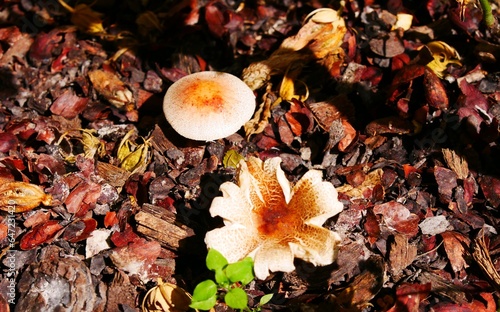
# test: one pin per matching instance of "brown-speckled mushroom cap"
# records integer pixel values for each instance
(208, 105)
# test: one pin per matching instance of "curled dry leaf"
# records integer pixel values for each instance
(481, 255)
(112, 89)
(166, 297)
(22, 196)
(322, 34)
(455, 245)
(443, 55)
(133, 157)
(271, 221)
(85, 19)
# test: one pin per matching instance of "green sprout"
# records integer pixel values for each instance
(230, 278)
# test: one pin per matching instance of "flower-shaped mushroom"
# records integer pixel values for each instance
(267, 219)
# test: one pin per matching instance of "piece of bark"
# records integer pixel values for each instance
(56, 282)
(160, 224)
(401, 255)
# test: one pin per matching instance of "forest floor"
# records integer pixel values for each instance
(396, 103)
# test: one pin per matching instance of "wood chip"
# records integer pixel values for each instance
(160, 224)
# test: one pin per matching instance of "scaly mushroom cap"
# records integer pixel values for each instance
(208, 105)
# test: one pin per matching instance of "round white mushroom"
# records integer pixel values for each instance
(208, 105)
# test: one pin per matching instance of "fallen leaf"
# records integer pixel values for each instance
(435, 93)
(40, 234)
(350, 135)
(397, 217)
(443, 55)
(8, 142)
(22, 196)
(388, 45)
(456, 245)
(447, 181)
(409, 296)
(372, 179)
(69, 105)
(364, 287)
(112, 89)
(456, 163)
(491, 189)
(389, 125)
(481, 255)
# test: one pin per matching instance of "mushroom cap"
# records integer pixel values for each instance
(208, 105)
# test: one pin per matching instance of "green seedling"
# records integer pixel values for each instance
(230, 279)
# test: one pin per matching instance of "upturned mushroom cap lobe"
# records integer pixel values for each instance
(208, 105)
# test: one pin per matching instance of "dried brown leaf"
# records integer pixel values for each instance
(22, 196)
(456, 163)
(481, 255)
(112, 89)
(363, 288)
(456, 245)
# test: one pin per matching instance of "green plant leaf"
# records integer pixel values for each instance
(241, 271)
(204, 295)
(221, 278)
(204, 305)
(265, 299)
(236, 298)
(215, 260)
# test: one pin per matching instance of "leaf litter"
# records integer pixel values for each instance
(395, 103)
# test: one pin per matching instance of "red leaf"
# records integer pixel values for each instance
(216, 18)
(371, 226)
(403, 77)
(400, 61)
(349, 137)
(409, 296)
(44, 44)
(435, 93)
(398, 217)
(121, 239)
(83, 197)
(447, 181)
(8, 142)
(58, 65)
(69, 105)
(110, 219)
(285, 133)
(409, 169)
(491, 189)
(39, 234)
(470, 102)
